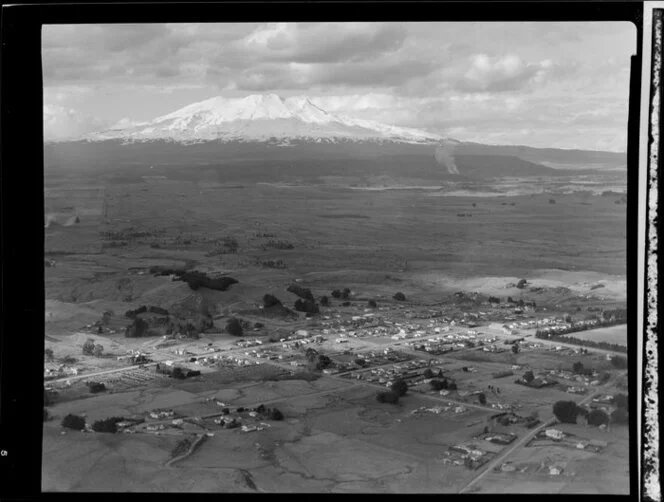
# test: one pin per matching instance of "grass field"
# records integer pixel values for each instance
(612, 334)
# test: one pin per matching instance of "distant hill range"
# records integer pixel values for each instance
(296, 137)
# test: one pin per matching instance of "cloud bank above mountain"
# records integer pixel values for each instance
(542, 84)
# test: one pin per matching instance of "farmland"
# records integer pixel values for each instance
(322, 371)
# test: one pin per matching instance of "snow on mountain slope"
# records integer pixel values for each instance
(260, 117)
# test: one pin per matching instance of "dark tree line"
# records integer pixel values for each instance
(583, 343)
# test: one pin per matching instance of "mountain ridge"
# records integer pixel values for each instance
(261, 117)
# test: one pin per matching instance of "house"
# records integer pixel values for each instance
(554, 434)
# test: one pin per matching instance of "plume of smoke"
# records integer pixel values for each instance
(444, 155)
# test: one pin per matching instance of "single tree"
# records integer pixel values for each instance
(482, 398)
(275, 414)
(400, 387)
(399, 296)
(48, 354)
(98, 350)
(95, 387)
(336, 293)
(89, 347)
(74, 422)
(372, 304)
(577, 367)
(515, 348)
(323, 362)
(325, 301)
(270, 301)
(521, 284)
(566, 411)
(428, 373)
(528, 376)
(234, 327)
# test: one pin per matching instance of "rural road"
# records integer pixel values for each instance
(496, 461)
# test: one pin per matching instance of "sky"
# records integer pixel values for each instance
(541, 84)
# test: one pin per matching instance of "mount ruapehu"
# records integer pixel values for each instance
(269, 138)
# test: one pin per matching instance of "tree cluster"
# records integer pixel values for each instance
(308, 306)
(311, 354)
(439, 384)
(580, 369)
(270, 301)
(196, 279)
(342, 294)
(137, 328)
(274, 414)
(323, 362)
(400, 387)
(89, 348)
(107, 425)
(598, 417)
(234, 327)
(303, 293)
(567, 411)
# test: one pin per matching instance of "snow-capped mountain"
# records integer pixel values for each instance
(262, 117)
